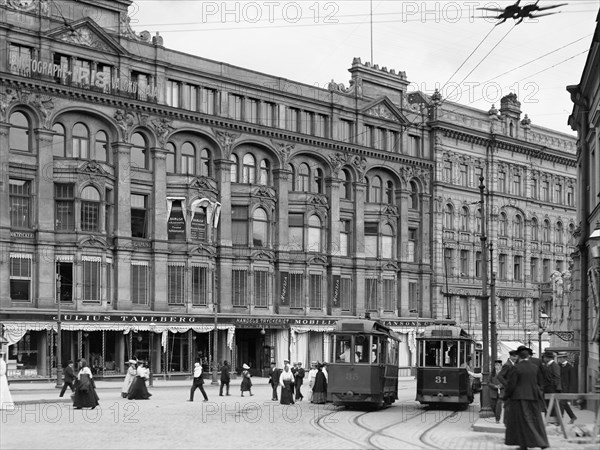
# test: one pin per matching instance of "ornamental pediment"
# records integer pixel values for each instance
(203, 184)
(87, 33)
(264, 255)
(385, 109)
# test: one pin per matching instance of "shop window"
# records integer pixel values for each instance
(316, 290)
(81, 141)
(20, 132)
(90, 209)
(64, 202)
(199, 286)
(139, 282)
(91, 279)
(260, 228)
(139, 216)
(240, 287)
(59, 147)
(176, 284)
(20, 277)
(20, 203)
(239, 225)
(261, 288)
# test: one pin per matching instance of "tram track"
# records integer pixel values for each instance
(358, 431)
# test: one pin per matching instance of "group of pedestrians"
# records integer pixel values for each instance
(290, 380)
(82, 385)
(134, 385)
(521, 384)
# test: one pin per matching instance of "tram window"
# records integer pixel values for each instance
(450, 353)
(342, 348)
(392, 351)
(433, 351)
(376, 350)
(362, 350)
(465, 350)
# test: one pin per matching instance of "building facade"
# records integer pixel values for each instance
(168, 207)
(529, 178)
(585, 119)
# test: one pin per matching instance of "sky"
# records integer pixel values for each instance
(447, 45)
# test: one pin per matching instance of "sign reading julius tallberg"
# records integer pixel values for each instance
(176, 222)
(284, 292)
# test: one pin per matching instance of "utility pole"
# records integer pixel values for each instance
(493, 331)
(486, 410)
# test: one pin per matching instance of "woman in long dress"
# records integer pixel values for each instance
(246, 385)
(286, 381)
(85, 389)
(138, 390)
(131, 373)
(319, 392)
(6, 401)
(312, 374)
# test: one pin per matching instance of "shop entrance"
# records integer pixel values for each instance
(249, 350)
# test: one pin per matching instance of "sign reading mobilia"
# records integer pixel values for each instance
(83, 76)
(469, 292)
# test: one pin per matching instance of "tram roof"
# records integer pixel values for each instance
(364, 326)
(441, 331)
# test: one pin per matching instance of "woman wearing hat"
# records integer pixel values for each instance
(129, 377)
(85, 389)
(6, 401)
(246, 381)
(286, 381)
(319, 395)
(138, 390)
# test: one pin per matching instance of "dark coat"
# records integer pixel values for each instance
(299, 376)
(69, 374)
(274, 374)
(504, 373)
(568, 377)
(525, 382)
(225, 377)
(552, 378)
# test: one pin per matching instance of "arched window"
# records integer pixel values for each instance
(265, 173)
(259, 228)
(375, 190)
(101, 146)
(387, 242)
(319, 181)
(503, 225)
(205, 163)
(534, 229)
(20, 132)
(413, 202)
(559, 233)
(344, 184)
(90, 209)
(303, 178)
(140, 154)
(518, 227)
(248, 169)
(449, 217)
(170, 158)
(464, 219)
(58, 141)
(570, 237)
(81, 141)
(389, 192)
(188, 159)
(314, 234)
(234, 168)
(291, 178)
(546, 231)
(478, 221)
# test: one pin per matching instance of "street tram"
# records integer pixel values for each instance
(364, 367)
(442, 352)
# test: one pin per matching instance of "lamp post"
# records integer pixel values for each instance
(416, 312)
(543, 324)
(151, 353)
(215, 367)
(58, 331)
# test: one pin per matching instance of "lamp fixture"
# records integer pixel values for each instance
(263, 331)
(594, 241)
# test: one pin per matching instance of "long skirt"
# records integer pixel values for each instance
(127, 384)
(138, 390)
(287, 396)
(525, 425)
(6, 401)
(87, 398)
(246, 384)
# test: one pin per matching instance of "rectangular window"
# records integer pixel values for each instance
(545, 191)
(371, 230)
(19, 203)
(176, 284)
(296, 290)
(139, 216)
(464, 175)
(516, 184)
(518, 305)
(464, 263)
(371, 294)
(502, 313)
(20, 277)
(316, 294)
(108, 218)
(344, 237)
(261, 288)
(236, 104)
(90, 211)
(64, 276)
(139, 283)
(411, 245)
(207, 101)
(307, 122)
(346, 294)
(518, 268)
(368, 136)
(394, 141)
(320, 125)
(296, 231)
(449, 262)
(501, 182)
(199, 286)
(253, 110)
(239, 225)
(413, 296)
(570, 197)
(91, 279)
(414, 145)
(172, 96)
(389, 294)
(64, 202)
(109, 280)
(63, 62)
(478, 264)
(346, 131)
(270, 119)
(190, 97)
(502, 266)
(19, 59)
(546, 270)
(534, 269)
(82, 71)
(240, 287)
(380, 139)
(140, 83)
(291, 119)
(448, 171)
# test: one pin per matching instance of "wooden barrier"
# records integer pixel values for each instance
(555, 404)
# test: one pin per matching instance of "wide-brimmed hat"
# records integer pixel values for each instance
(548, 354)
(522, 347)
(286, 361)
(562, 354)
(245, 366)
(132, 361)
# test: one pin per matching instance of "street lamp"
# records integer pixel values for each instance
(416, 311)
(58, 331)
(543, 324)
(151, 355)
(594, 241)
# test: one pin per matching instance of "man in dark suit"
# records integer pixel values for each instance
(225, 378)
(568, 383)
(274, 374)
(298, 380)
(552, 384)
(524, 424)
(504, 375)
(69, 378)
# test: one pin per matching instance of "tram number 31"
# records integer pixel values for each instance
(440, 380)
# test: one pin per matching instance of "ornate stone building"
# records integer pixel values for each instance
(153, 197)
(530, 183)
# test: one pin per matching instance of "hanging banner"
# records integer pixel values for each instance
(336, 286)
(176, 221)
(284, 293)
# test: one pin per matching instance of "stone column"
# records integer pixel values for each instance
(5, 238)
(281, 180)
(222, 289)
(360, 194)
(159, 236)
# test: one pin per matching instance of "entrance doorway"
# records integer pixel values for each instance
(249, 350)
